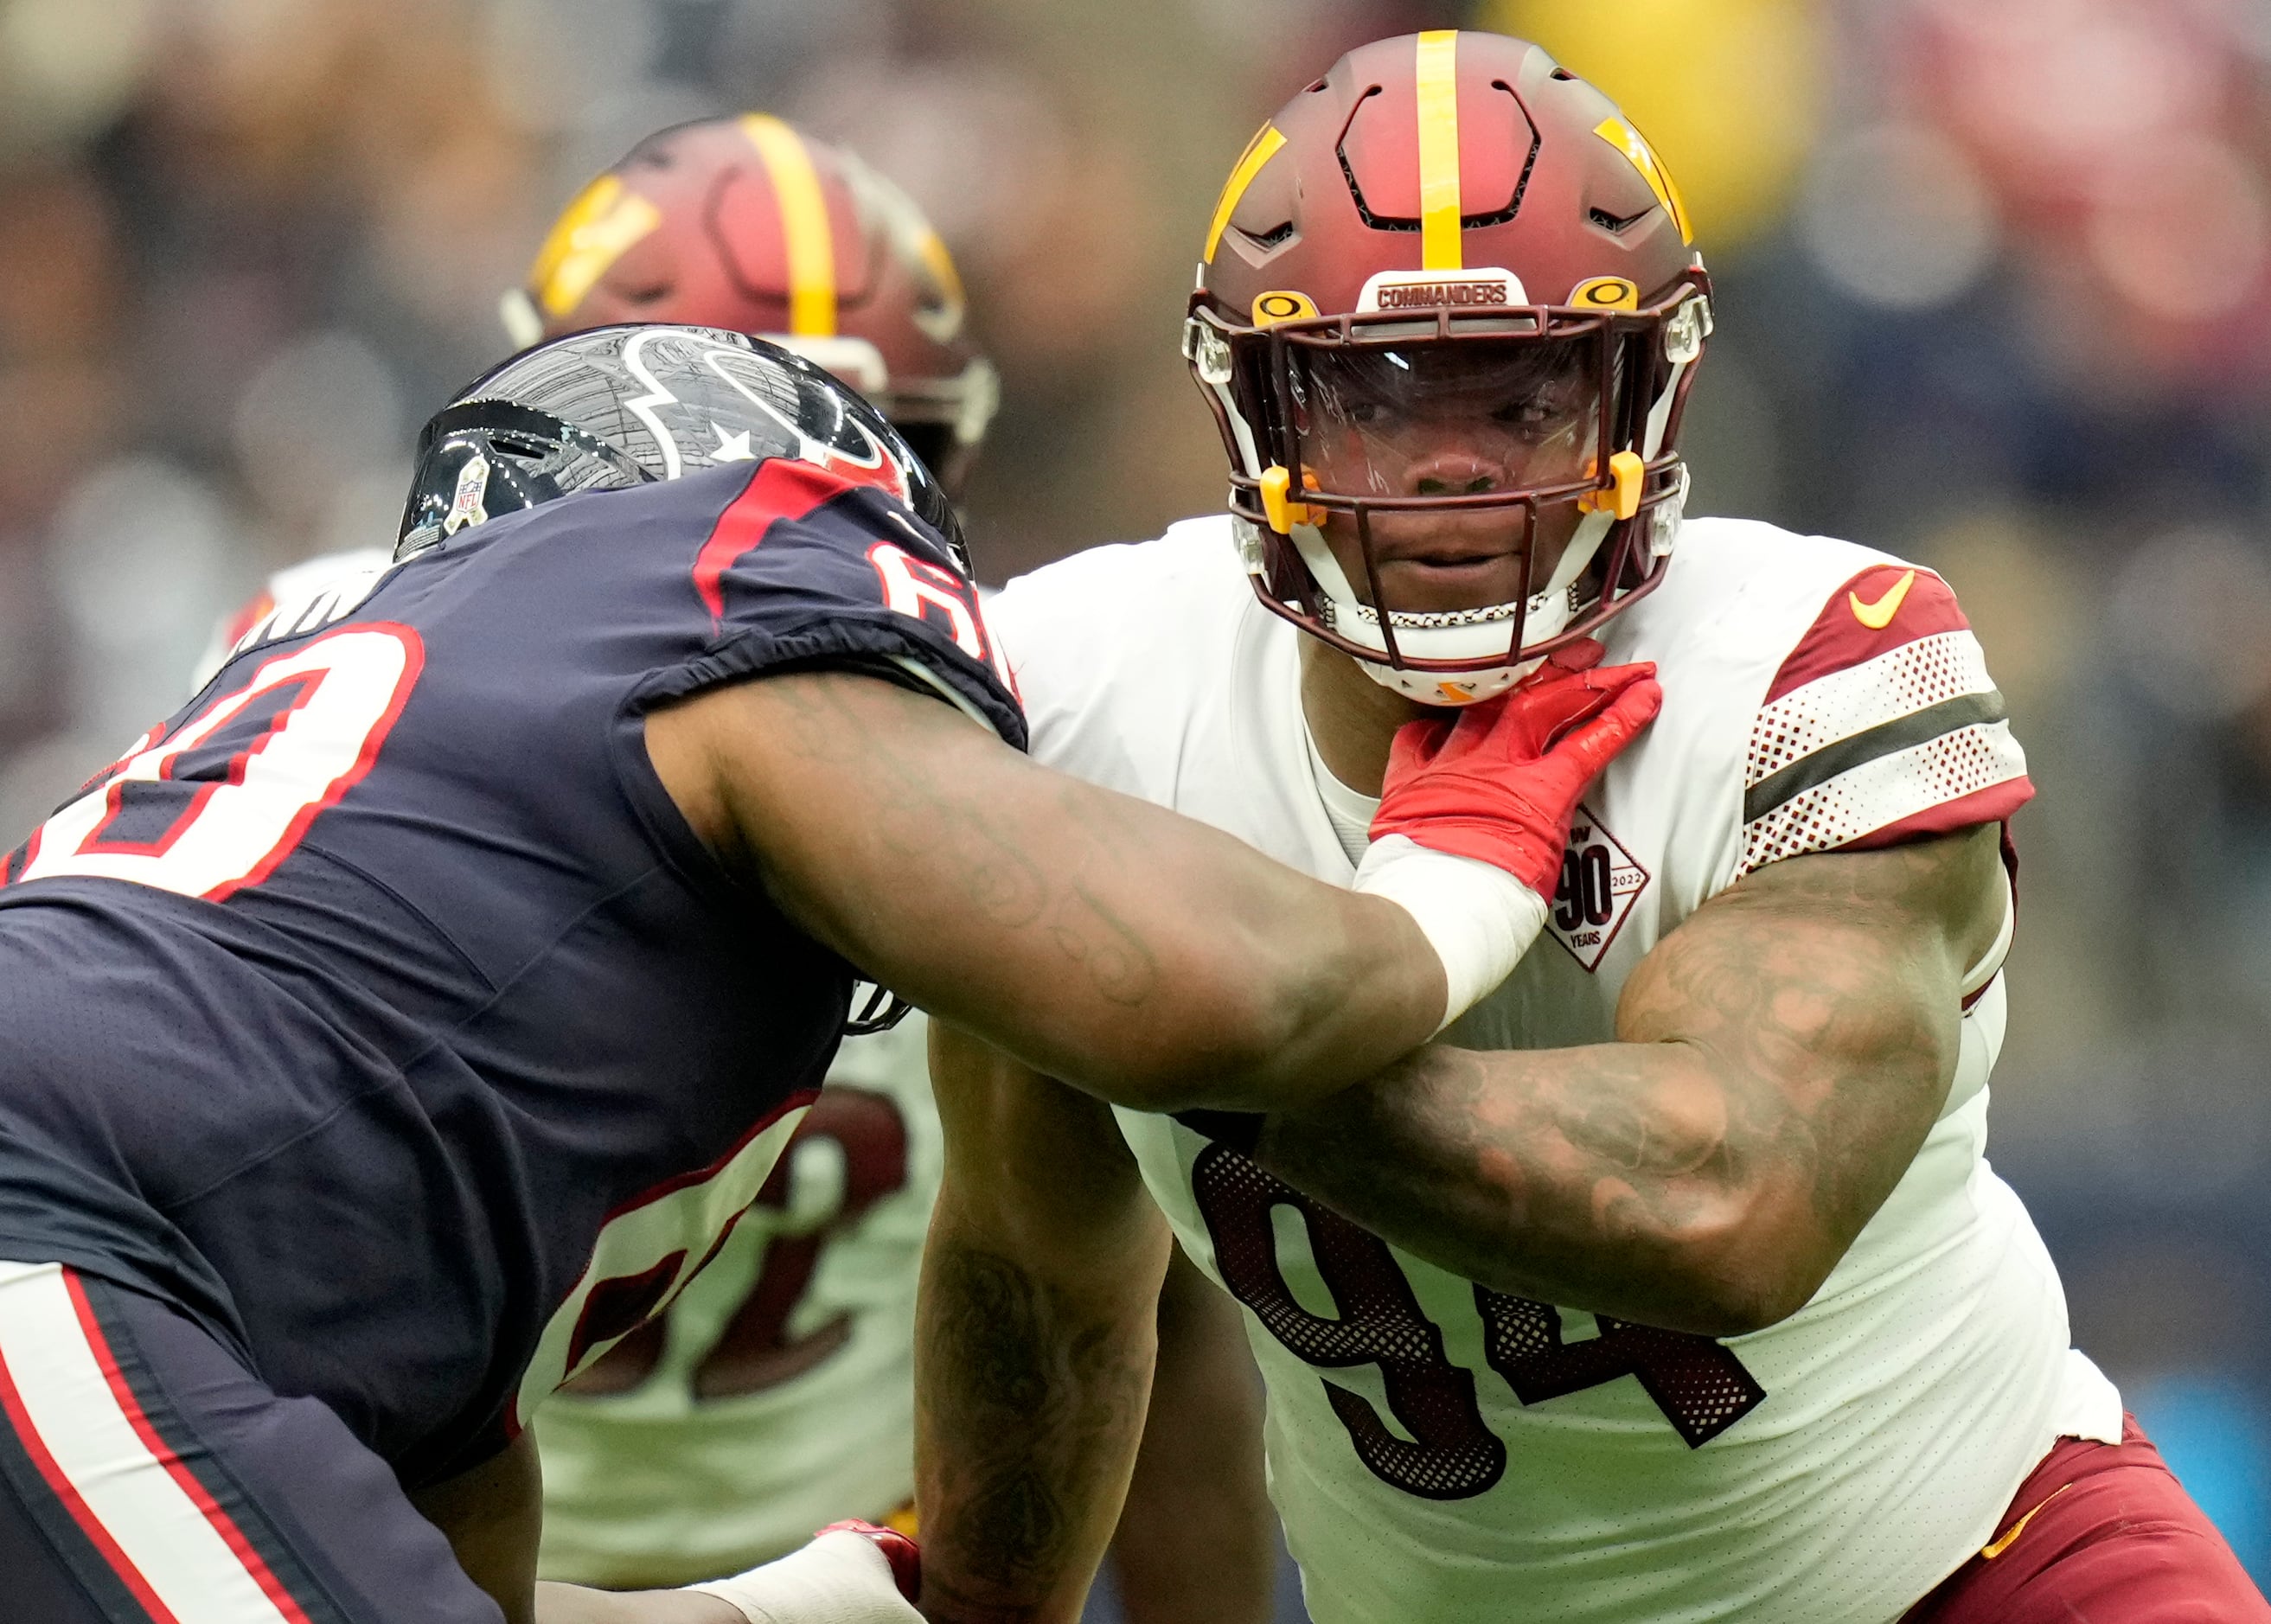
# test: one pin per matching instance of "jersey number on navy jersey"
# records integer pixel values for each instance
(1700, 1385)
(265, 758)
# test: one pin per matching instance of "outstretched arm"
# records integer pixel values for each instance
(1779, 1059)
(1134, 953)
(1034, 1341)
(1101, 939)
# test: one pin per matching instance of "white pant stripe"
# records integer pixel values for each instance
(181, 1556)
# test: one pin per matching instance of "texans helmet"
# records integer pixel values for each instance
(611, 407)
(1448, 221)
(748, 224)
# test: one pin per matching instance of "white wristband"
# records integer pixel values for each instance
(1479, 920)
(839, 1578)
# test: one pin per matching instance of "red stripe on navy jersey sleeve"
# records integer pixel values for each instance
(782, 487)
(1920, 605)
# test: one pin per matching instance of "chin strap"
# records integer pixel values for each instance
(1575, 558)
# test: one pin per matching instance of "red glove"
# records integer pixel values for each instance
(1500, 781)
(904, 1554)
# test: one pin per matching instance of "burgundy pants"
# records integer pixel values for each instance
(2100, 1534)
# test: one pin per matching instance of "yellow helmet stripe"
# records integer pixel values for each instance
(1439, 207)
(591, 234)
(1620, 134)
(804, 224)
(1258, 151)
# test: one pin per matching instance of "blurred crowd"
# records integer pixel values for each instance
(1995, 292)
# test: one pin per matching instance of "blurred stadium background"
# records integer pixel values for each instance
(1995, 292)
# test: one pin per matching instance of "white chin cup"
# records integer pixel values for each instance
(1468, 635)
(1447, 689)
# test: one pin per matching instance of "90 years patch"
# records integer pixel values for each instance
(1600, 881)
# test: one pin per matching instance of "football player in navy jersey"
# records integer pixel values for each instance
(776, 1395)
(393, 1030)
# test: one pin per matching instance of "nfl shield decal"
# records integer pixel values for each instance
(1600, 881)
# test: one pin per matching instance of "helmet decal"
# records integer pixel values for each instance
(943, 320)
(594, 231)
(805, 227)
(851, 450)
(1605, 293)
(1258, 151)
(465, 501)
(1283, 305)
(1406, 290)
(1440, 210)
(1618, 131)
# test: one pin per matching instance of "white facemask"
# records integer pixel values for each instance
(1456, 635)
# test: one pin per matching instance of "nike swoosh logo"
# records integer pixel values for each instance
(1877, 615)
(1992, 1552)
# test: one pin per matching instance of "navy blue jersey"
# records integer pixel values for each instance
(381, 1010)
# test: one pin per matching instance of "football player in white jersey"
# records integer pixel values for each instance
(776, 1395)
(1680, 1289)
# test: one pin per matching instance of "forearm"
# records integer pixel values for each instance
(1032, 1397)
(1196, 1542)
(1609, 1178)
(1780, 1059)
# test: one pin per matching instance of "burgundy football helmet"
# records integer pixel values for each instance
(1451, 239)
(748, 224)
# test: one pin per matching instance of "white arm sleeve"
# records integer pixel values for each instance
(1479, 920)
(839, 1578)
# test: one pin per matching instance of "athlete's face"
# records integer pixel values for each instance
(1466, 418)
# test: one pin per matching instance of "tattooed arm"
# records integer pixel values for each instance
(1129, 951)
(1033, 1340)
(1779, 1059)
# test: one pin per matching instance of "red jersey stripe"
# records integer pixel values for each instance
(783, 488)
(167, 1456)
(1991, 805)
(1882, 608)
(18, 1418)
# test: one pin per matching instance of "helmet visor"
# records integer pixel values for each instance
(1472, 417)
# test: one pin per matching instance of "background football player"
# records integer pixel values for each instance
(1680, 1289)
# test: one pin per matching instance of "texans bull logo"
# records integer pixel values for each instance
(764, 398)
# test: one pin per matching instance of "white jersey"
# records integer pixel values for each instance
(777, 1395)
(1442, 1452)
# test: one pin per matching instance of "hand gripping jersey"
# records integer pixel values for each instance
(777, 1394)
(380, 1009)
(1444, 1454)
